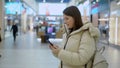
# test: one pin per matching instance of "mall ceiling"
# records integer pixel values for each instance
(13, 1)
(41, 1)
(53, 1)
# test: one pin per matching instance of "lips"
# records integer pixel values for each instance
(67, 24)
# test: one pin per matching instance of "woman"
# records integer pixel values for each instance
(78, 41)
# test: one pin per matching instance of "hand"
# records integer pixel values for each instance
(55, 49)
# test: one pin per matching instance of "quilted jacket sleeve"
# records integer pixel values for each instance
(86, 51)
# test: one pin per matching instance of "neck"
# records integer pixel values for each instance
(70, 30)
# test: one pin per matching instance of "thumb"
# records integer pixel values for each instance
(56, 46)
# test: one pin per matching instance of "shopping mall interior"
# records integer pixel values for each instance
(40, 20)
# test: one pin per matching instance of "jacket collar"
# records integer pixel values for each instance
(88, 26)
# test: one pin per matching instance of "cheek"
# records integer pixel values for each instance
(66, 21)
(72, 23)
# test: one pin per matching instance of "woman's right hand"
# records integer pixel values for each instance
(55, 49)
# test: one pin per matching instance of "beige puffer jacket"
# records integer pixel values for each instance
(77, 53)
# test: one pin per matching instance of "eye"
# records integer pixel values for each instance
(66, 18)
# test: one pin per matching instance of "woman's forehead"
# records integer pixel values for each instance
(66, 15)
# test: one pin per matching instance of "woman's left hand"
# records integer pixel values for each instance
(55, 49)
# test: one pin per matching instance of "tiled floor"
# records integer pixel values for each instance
(29, 52)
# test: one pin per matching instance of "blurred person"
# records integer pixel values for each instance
(107, 29)
(0, 35)
(15, 30)
(101, 28)
(0, 40)
(37, 29)
(78, 46)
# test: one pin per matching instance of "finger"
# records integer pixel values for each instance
(56, 46)
(51, 47)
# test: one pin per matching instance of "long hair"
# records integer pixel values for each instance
(74, 12)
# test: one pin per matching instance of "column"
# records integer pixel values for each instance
(118, 31)
(2, 18)
(112, 29)
(31, 23)
(24, 22)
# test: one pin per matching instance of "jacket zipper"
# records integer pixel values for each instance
(64, 48)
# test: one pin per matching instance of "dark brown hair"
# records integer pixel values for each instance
(75, 13)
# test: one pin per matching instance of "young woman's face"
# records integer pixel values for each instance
(69, 21)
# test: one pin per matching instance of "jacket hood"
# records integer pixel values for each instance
(94, 32)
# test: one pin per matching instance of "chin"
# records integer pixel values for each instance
(69, 28)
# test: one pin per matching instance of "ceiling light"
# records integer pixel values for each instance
(103, 19)
(106, 15)
(97, 0)
(5, 6)
(61, 1)
(114, 12)
(9, 0)
(118, 3)
(44, 1)
(94, 2)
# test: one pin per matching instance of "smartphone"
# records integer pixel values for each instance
(50, 43)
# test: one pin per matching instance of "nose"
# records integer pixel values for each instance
(64, 22)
